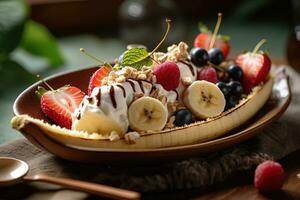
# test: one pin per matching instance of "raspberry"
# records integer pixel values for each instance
(208, 74)
(168, 75)
(269, 176)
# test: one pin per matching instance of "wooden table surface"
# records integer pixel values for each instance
(242, 187)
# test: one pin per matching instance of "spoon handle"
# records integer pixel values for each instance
(92, 188)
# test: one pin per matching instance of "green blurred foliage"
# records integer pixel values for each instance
(38, 41)
(17, 31)
(13, 15)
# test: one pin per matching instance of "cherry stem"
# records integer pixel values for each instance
(214, 36)
(216, 66)
(168, 21)
(39, 77)
(257, 47)
(154, 60)
(93, 57)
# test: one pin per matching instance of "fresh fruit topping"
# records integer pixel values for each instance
(231, 101)
(207, 40)
(202, 41)
(96, 78)
(215, 56)
(59, 104)
(235, 72)
(255, 65)
(204, 99)
(182, 117)
(199, 56)
(208, 74)
(235, 88)
(147, 113)
(269, 176)
(168, 75)
(224, 88)
(138, 57)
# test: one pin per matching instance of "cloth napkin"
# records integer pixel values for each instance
(275, 142)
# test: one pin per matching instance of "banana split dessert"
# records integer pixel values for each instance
(159, 99)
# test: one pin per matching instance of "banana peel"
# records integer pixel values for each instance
(193, 133)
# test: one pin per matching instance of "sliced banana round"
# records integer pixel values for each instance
(204, 99)
(147, 113)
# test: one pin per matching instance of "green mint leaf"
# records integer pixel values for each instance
(38, 41)
(203, 28)
(13, 14)
(40, 91)
(136, 57)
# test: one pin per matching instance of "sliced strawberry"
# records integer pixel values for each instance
(203, 40)
(97, 77)
(255, 67)
(59, 104)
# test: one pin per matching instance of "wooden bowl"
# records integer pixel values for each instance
(27, 103)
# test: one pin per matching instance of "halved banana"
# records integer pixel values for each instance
(193, 133)
(204, 99)
(147, 113)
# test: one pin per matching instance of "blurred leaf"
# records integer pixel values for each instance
(203, 28)
(38, 41)
(13, 74)
(13, 14)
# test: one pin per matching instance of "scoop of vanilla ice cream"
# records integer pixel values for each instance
(106, 109)
(102, 117)
(187, 72)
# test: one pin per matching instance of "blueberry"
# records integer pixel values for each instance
(231, 101)
(183, 116)
(199, 56)
(235, 72)
(215, 56)
(235, 88)
(224, 88)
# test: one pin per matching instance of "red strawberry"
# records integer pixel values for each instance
(168, 75)
(208, 74)
(203, 40)
(59, 104)
(255, 66)
(205, 37)
(97, 77)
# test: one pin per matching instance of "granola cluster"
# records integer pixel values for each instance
(126, 73)
(175, 53)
